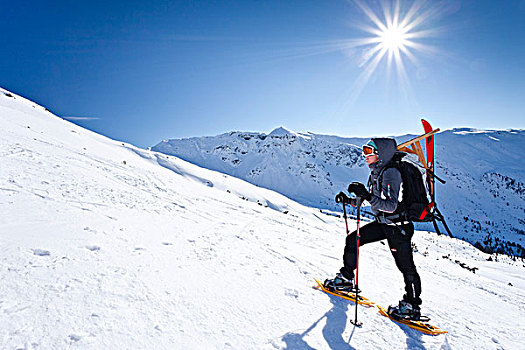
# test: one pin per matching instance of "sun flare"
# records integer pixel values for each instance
(390, 38)
(396, 30)
(393, 38)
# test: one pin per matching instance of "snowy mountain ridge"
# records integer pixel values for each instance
(482, 200)
(106, 245)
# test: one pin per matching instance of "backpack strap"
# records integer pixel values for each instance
(390, 164)
(394, 163)
(399, 213)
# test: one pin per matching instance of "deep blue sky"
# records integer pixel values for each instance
(152, 70)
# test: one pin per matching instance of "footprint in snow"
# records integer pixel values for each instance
(167, 243)
(75, 337)
(93, 248)
(41, 252)
(291, 293)
(87, 229)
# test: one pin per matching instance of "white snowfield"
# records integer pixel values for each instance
(108, 246)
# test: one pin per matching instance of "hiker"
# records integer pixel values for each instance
(384, 193)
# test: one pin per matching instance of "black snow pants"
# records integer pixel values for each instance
(400, 247)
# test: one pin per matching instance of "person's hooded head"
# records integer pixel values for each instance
(379, 151)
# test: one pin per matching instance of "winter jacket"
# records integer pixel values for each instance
(387, 194)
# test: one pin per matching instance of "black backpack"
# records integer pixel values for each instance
(414, 205)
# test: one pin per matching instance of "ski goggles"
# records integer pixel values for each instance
(369, 149)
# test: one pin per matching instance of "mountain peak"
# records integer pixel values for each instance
(282, 131)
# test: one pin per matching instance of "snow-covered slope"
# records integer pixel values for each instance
(482, 200)
(108, 246)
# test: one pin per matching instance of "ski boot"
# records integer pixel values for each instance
(339, 284)
(405, 311)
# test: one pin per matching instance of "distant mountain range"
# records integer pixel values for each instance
(483, 199)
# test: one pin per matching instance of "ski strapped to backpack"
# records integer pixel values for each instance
(415, 204)
(431, 177)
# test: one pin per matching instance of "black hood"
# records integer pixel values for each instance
(386, 148)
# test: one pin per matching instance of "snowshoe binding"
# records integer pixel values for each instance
(339, 284)
(407, 311)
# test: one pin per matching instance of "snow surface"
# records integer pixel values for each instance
(483, 199)
(109, 246)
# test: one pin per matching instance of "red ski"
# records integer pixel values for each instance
(431, 179)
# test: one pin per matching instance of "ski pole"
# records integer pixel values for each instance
(358, 204)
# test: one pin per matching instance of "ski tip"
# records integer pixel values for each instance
(318, 285)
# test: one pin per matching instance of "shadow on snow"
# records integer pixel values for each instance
(336, 322)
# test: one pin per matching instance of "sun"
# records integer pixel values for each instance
(396, 31)
(394, 38)
(390, 38)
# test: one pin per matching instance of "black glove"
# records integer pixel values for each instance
(342, 198)
(360, 190)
